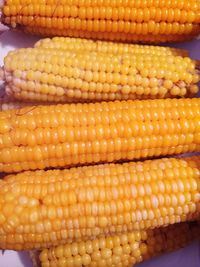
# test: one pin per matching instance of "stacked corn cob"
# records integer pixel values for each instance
(47, 208)
(111, 214)
(57, 136)
(121, 250)
(76, 70)
(130, 20)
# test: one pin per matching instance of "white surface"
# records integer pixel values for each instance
(14, 259)
(189, 257)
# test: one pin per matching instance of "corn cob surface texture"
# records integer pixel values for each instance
(130, 20)
(42, 209)
(64, 70)
(123, 249)
(71, 134)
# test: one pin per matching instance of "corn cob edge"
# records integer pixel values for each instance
(3, 27)
(36, 254)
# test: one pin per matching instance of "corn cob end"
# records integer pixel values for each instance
(2, 26)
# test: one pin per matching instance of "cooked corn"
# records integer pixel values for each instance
(121, 250)
(71, 73)
(131, 20)
(48, 208)
(64, 135)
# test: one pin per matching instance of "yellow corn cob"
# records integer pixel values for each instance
(78, 44)
(74, 75)
(129, 20)
(42, 209)
(121, 250)
(71, 134)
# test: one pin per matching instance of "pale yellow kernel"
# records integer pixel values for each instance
(168, 84)
(106, 253)
(117, 250)
(8, 209)
(23, 200)
(2, 219)
(194, 89)
(86, 259)
(103, 222)
(175, 91)
(96, 255)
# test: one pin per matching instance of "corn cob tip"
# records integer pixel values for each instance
(2, 26)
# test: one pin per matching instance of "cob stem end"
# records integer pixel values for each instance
(3, 27)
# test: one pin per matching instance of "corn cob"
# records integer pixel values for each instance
(74, 75)
(121, 250)
(144, 21)
(77, 44)
(42, 209)
(63, 135)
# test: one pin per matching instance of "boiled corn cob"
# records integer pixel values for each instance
(131, 20)
(49, 208)
(74, 75)
(121, 250)
(63, 135)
